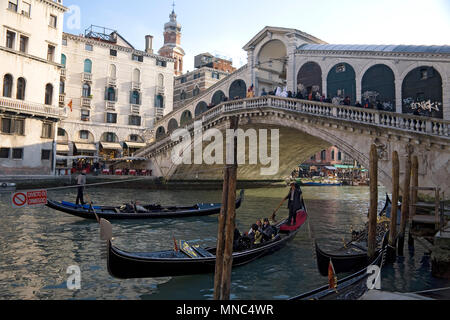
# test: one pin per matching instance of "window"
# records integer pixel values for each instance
(19, 127)
(112, 71)
(63, 60)
(135, 121)
(61, 132)
(183, 80)
(196, 92)
(110, 94)
(89, 47)
(4, 153)
(136, 57)
(197, 76)
(86, 90)
(135, 97)
(161, 63)
(64, 42)
(17, 154)
(7, 125)
(323, 155)
(51, 53)
(159, 101)
(85, 115)
(134, 138)
(10, 39)
(111, 118)
(340, 156)
(62, 87)
(215, 75)
(84, 135)
(88, 66)
(333, 155)
(7, 86)
(12, 5)
(110, 137)
(47, 130)
(48, 94)
(113, 53)
(23, 44)
(21, 84)
(45, 155)
(53, 21)
(26, 9)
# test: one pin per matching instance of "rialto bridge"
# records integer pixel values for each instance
(411, 83)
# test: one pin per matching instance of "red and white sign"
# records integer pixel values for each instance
(29, 198)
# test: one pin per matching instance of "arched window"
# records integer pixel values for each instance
(196, 92)
(136, 75)
(48, 94)
(7, 85)
(63, 60)
(159, 101)
(186, 118)
(112, 71)
(110, 94)
(160, 80)
(21, 84)
(88, 66)
(333, 155)
(183, 95)
(86, 90)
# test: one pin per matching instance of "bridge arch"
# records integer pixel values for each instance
(378, 84)
(238, 90)
(172, 126)
(218, 97)
(422, 91)
(186, 118)
(160, 132)
(341, 82)
(272, 61)
(200, 108)
(309, 78)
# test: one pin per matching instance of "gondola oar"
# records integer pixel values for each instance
(276, 210)
(91, 205)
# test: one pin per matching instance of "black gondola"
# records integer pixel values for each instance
(353, 256)
(352, 287)
(190, 260)
(145, 212)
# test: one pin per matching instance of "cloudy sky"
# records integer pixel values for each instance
(224, 27)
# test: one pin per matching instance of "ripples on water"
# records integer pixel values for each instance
(38, 244)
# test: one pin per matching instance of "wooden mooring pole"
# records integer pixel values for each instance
(405, 202)
(227, 225)
(372, 233)
(394, 210)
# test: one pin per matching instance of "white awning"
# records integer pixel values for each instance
(330, 168)
(135, 145)
(62, 148)
(111, 146)
(90, 147)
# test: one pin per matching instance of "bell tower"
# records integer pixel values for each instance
(172, 43)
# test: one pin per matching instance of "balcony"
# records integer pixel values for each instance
(159, 113)
(112, 82)
(136, 85)
(62, 99)
(87, 77)
(63, 72)
(86, 102)
(160, 90)
(110, 106)
(135, 109)
(31, 108)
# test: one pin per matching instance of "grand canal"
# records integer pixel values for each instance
(38, 245)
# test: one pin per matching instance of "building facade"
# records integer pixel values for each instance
(116, 93)
(30, 51)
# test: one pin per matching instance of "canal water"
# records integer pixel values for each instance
(38, 245)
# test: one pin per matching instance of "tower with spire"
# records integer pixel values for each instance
(172, 42)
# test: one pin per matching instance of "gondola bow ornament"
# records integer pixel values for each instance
(332, 278)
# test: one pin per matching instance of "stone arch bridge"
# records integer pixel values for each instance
(307, 127)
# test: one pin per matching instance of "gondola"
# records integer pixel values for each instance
(141, 212)
(188, 260)
(353, 256)
(352, 287)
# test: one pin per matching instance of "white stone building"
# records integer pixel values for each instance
(30, 51)
(116, 93)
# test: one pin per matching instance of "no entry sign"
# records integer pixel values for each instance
(29, 198)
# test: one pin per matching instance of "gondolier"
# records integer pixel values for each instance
(295, 202)
(81, 182)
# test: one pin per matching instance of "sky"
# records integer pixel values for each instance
(224, 27)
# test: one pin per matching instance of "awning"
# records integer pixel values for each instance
(111, 146)
(90, 147)
(135, 145)
(62, 148)
(340, 166)
(330, 168)
(58, 157)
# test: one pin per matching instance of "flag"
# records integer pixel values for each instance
(332, 278)
(70, 105)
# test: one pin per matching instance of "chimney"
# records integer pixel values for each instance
(149, 44)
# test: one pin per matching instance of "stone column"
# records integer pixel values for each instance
(398, 96)
(290, 75)
(358, 80)
(446, 99)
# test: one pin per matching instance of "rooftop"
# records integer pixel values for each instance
(376, 48)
